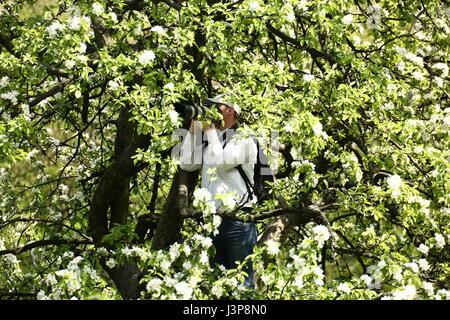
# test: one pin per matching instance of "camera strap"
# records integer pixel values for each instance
(226, 136)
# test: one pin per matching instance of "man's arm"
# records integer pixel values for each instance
(236, 152)
(191, 150)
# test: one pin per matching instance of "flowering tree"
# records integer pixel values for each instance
(94, 206)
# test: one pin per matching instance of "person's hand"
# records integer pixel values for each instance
(194, 123)
(208, 126)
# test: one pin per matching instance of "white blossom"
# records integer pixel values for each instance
(280, 65)
(41, 296)
(302, 4)
(375, 16)
(170, 282)
(217, 220)
(428, 287)
(443, 292)
(229, 201)
(50, 279)
(146, 57)
(298, 281)
(367, 279)
(113, 16)
(12, 258)
(308, 77)
(394, 182)
(74, 23)
(406, 293)
(173, 116)
(266, 278)
(343, 287)
(53, 29)
(318, 130)
(165, 265)
(113, 85)
(253, 5)
(204, 259)
(82, 48)
(170, 86)
(423, 248)
(298, 262)
(187, 250)
(290, 16)
(288, 128)
(201, 195)
(174, 251)
(183, 289)
(414, 58)
(413, 266)
(97, 9)
(154, 285)
(205, 241)
(158, 30)
(319, 282)
(424, 265)
(69, 64)
(187, 265)
(272, 247)
(440, 240)
(68, 254)
(317, 271)
(111, 263)
(398, 276)
(4, 82)
(374, 9)
(12, 96)
(443, 67)
(321, 234)
(418, 75)
(217, 290)
(127, 252)
(347, 19)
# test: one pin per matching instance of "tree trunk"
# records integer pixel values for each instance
(169, 226)
(112, 195)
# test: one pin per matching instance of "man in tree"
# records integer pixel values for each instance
(221, 178)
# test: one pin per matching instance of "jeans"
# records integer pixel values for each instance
(234, 242)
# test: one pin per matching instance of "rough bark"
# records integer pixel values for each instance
(112, 196)
(169, 226)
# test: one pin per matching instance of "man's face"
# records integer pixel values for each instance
(227, 112)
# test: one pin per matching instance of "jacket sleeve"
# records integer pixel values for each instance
(191, 153)
(236, 152)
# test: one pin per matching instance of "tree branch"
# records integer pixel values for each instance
(357, 253)
(24, 219)
(6, 43)
(59, 87)
(4, 293)
(310, 213)
(42, 243)
(312, 51)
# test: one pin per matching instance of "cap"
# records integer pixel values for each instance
(221, 100)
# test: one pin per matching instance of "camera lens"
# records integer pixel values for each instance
(189, 112)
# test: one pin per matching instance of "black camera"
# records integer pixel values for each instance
(189, 112)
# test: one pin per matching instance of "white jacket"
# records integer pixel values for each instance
(218, 164)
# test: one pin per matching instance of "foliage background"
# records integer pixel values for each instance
(93, 206)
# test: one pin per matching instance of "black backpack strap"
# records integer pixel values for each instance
(228, 136)
(247, 182)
